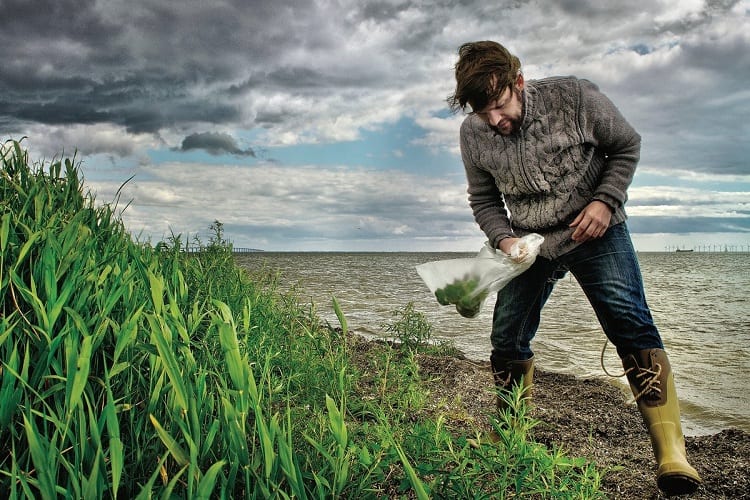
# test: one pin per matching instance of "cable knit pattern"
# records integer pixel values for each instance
(573, 146)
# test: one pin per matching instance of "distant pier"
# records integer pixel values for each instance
(234, 250)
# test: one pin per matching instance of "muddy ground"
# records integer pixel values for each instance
(591, 418)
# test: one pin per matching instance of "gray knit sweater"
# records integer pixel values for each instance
(573, 146)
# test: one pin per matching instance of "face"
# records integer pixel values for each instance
(504, 113)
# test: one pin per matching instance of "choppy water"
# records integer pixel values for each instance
(699, 302)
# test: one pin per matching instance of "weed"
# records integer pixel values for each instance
(410, 328)
(132, 370)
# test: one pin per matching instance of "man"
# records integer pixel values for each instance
(556, 157)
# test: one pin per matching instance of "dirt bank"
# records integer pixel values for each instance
(588, 418)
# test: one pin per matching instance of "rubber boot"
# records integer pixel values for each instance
(652, 382)
(508, 373)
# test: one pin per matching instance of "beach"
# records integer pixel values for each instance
(588, 418)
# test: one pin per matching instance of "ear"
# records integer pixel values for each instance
(520, 81)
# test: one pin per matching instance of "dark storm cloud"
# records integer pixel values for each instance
(141, 65)
(195, 62)
(141, 104)
(215, 144)
(593, 8)
(55, 20)
(711, 9)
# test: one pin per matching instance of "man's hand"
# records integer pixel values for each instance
(506, 246)
(592, 222)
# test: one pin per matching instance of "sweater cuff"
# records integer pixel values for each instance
(612, 202)
(497, 239)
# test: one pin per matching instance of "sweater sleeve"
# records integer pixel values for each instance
(485, 199)
(604, 126)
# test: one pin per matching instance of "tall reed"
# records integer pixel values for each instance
(132, 370)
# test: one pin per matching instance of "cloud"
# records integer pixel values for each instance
(687, 225)
(109, 140)
(655, 195)
(145, 86)
(307, 207)
(214, 143)
(277, 203)
(317, 73)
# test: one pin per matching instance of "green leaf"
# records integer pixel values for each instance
(146, 492)
(237, 366)
(180, 456)
(157, 291)
(4, 231)
(54, 312)
(10, 393)
(91, 483)
(39, 456)
(364, 457)
(416, 483)
(81, 375)
(26, 248)
(48, 265)
(206, 485)
(336, 422)
(167, 356)
(32, 298)
(127, 333)
(340, 315)
(116, 449)
(82, 364)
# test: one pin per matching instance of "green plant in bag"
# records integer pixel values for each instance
(463, 293)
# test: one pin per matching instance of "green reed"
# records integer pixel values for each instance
(132, 370)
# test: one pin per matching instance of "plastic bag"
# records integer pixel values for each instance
(467, 283)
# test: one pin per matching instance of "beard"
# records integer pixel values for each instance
(508, 127)
(511, 125)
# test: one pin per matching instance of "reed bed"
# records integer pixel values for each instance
(133, 370)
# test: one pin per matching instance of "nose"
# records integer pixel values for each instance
(494, 117)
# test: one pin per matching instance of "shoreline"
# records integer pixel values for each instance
(587, 418)
(696, 419)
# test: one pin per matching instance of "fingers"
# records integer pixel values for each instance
(507, 244)
(592, 222)
(588, 229)
(519, 256)
(512, 248)
(584, 234)
(578, 219)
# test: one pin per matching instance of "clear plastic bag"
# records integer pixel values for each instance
(467, 283)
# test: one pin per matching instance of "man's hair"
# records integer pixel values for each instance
(483, 71)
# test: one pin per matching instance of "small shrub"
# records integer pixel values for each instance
(410, 329)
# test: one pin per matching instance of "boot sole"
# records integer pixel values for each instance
(677, 484)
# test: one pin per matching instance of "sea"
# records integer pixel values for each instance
(699, 301)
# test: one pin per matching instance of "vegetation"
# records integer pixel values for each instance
(137, 371)
(463, 293)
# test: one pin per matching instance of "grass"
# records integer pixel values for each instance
(132, 370)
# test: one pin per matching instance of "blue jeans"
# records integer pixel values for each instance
(607, 270)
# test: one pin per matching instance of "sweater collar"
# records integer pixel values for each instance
(528, 97)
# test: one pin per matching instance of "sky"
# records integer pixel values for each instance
(323, 125)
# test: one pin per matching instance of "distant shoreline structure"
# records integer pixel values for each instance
(709, 248)
(234, 250)
(246, 250)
